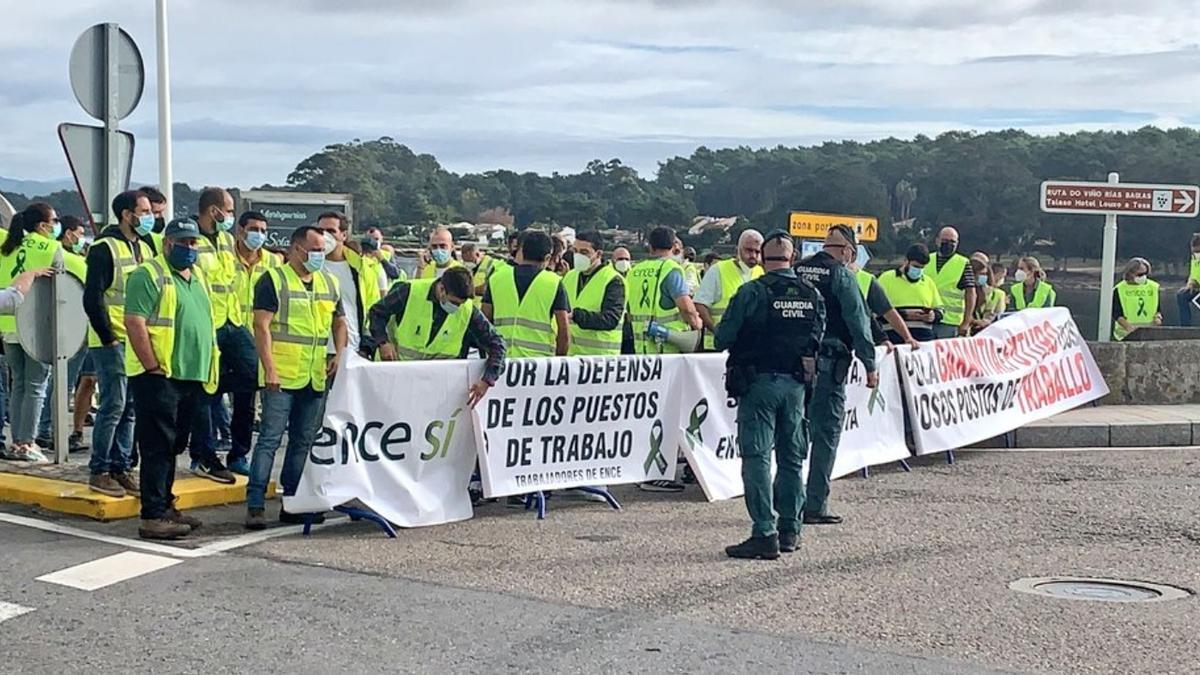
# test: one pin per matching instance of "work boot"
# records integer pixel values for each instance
(126, 481)
(105, 485)
(162, 528)
(755, 548)
(788, 542)
(176, 516)
(256, 519)
(824, 518)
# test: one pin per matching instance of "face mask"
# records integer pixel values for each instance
(160, 224)
(1196, 256)
(581, 262)
(623, 266)
(1020, 276)
(77, 247)
(1140, 279)
(145, 225)
(182, 257)
(226, 224)
(440, 256)
(947, 247)
(56, 232)
(315, 261)
(449, 307)
(330, 245)
(255, 239)
(983, 280)
(678, 257)
(914, 273)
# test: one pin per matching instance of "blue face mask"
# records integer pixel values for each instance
(182, 256)
(914, 273)
(57, 231)
(315, 262)
(983, 279)
(440, 256)
(225, 225)
(145, 225)
(255, 239)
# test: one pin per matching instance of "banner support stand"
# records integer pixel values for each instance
(949, 456)
(539, 499)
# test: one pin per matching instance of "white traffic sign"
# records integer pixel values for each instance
(1126, 199)
(107, 74)
(84, 147)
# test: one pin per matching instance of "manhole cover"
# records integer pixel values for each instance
(1101, 590)
(598, 538)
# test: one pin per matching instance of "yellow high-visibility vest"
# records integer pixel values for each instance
(1042, 296)
(954, 299)
(36, 252)
(905, 294)
(301, 328)
(1139, 304)
(864, 279)
(730, 274)
(124, 263)
(413, 335)
(590, 298)
(643, 300)
(246, 278)
(430, 270)
(525, 323)
(161, 324)
(219, 264)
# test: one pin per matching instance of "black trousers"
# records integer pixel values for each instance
(164, 414)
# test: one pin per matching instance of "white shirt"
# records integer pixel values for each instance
(710, 287)
(341, 271)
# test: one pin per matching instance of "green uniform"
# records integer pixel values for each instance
(847, 333)
(769, 325)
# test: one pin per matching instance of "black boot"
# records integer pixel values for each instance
(825, 518)
(788, 542)
(755, 548)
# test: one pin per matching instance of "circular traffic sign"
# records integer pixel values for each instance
(89, 61)
(38, 315)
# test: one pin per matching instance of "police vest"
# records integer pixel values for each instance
(954, 299)
(161, 324)
(218, 262)
(1041, 295)
(123, 264)
(430, 270)
(36, 252)
(590, 298)
(729, 273)
(1139, 304)
(818, 270)
(786, 334)
(643, 286)
(525, 323)
(414, 337)
(301, 328)
(247, 278)
(905, 294)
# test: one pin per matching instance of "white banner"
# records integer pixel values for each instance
(556, 423)
(1024, 368)
(397, 437)
(872, 433)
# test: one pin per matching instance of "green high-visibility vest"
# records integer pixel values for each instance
(36, 252)
(525, 323)
(643, 300)
(413, 336)
(1139, 304)
(730, 274)
(590, 298)
(1043, 296)
(954, 299)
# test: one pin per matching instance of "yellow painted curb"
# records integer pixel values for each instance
(63, 496)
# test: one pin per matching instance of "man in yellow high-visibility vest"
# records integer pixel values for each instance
(955, 279)
(723, 280)
(657, 294)
(596, 292)
(528, 303)
(440, 256)
(299, 309)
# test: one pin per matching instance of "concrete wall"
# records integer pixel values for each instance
(1150, 372)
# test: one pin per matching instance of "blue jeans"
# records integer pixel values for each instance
(73, 366)
(1183, 299)
(29, 380)
(3, 396)
(112, 437)
(299, 413)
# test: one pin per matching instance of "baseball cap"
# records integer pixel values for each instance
(182, 228)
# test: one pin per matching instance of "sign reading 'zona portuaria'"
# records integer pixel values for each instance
(1127, 199)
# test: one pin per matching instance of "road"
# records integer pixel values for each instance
(916, 581)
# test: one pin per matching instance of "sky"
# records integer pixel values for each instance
(546, 85)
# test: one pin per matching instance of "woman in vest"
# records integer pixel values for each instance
(1031, 290)
(1185, 296)
(995, 299)
(32, 244)
(1135, 300)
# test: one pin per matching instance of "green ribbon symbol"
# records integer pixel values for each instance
(645, 301)
(699, 414)
(656, 456)
(876, 400)
(1142, 306)
(19, 266)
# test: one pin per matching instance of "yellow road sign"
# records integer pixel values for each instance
(808, 225)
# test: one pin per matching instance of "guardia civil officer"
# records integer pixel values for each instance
(847, 334)
(772, 329)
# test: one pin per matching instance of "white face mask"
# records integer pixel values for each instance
(1140, 279)
(1196, 256)
(581, 262)
(1020, 276)
(678, 257)
(623, 266)
(330, 243)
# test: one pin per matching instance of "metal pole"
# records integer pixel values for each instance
(1108, 268)
(165, 181)
(60, 416)
(113, 183)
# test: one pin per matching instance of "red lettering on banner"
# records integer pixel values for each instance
(1054, 382)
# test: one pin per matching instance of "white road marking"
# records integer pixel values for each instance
(163, 549)
(110, 570)
(10, 611)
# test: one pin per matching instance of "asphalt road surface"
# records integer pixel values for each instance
(915, 581)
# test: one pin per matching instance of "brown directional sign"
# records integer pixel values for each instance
(1126, 199)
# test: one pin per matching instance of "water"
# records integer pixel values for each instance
(1084, 304)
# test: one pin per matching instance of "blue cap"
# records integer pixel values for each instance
(182, 228)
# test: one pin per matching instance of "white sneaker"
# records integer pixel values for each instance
(29, 452)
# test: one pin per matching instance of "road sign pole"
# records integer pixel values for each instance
(1108, 268)
(165, 180)
(60, 414)
(112, 88)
